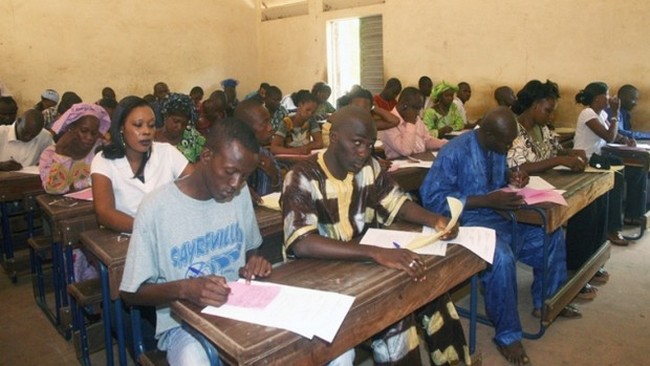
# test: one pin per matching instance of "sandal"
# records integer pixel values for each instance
(514, 353)
(588, 292)
(569, 311)
(600, 278)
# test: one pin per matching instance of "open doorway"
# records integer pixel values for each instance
(355, 54)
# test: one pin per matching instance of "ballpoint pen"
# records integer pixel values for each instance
(396, 245)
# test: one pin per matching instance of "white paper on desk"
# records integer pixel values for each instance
(590, 169)
(406, 163)
(455, 209)
(272, 201)
(29, 170)
(303, 311)
(643, 146)
(479, 240)
(385, 238)
(537, 182)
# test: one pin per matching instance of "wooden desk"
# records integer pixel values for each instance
(12, 187)
(581, 190)
(383, 296)
(410, 179)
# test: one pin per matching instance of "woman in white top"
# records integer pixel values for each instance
(594, 130)
(132, 165)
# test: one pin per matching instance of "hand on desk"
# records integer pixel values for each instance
(402, 259)
(575, 163)
(256, 267)
(500, 200)
(10, 165)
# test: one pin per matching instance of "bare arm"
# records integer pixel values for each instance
(317, 142)
(203, 291)
(384, 119)
(317, 246)
(607, 134)
(416, 214)
(104, 201)
(575, 163)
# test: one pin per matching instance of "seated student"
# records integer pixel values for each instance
(536, 150)
(505, 96)
(629, 95)
(47, 106)
(463, 95)
(258, 94)
(68, 99)
(22, 142)
(330, 199)
(472, 167)
(211, 204)
(594, 129)
(410, 136)
(180, 115)
(425, 85)
(322, 92)
(160, 91)
(230, 91)
(272, 102)
(131, 165)
(299, 133)
(363, 98)
(443, 117)
(212, 110)
(267, 177)
(8, 110)
(196, 93)
(65, 166)
(387, 99)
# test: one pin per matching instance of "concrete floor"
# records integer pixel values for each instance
(614, 329)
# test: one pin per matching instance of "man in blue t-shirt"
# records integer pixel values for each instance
(192, 236)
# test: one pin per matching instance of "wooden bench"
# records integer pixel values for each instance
(85, 339)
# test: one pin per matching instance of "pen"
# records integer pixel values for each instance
(396, 245)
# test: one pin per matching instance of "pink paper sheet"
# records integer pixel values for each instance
(251, 296)
(84, 194)
(533, 196)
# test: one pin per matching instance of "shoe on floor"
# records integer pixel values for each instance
(617, 238)
(588, 292)
(600, 278)
(569, 311)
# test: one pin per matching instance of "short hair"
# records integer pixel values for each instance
(225, 131)
(265, 86)
(361, 93)
(7, 100)
(320, 87)
(424, 79)
(409, 92)
(273, 90)
(393, 83)
(108, 103)
(242, 111)
(68, 99)
(626, 89)
(196, 89)
(108, 92)
(463, 83)
(303, 96)
(533, 91)
(592, 90)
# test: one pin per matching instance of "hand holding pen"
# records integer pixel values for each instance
(518, 178)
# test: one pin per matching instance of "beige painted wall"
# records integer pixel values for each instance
(486, 43)
(129, 45)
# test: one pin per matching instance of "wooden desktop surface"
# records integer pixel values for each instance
(581, 189)
(382, 297)
(13, 184)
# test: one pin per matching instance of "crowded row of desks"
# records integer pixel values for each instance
(382, 296)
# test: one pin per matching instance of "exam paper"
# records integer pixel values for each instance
(84, 194)
(537, 182)
(385, 238)
(251, 295)
(455, 208)
(272, 201)
(33, 169)
(480, 240)
(303, 311)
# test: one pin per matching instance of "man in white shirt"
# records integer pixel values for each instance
(462, 96)
(22, 142)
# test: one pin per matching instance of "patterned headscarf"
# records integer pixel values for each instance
(442, 87)
(180, 103)
(79, 110)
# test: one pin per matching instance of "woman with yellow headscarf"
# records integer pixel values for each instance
(444, 117)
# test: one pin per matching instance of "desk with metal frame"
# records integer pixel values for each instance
(382, 297)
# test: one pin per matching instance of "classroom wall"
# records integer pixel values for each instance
(486, 43)
(129, 45)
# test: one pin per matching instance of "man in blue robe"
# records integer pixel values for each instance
(472, 168)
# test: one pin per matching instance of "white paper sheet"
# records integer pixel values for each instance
(30, 170)
(272, 201)
(384, 238)
(455, 209)
(537, 182)
(303, 311)
(480, 240)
